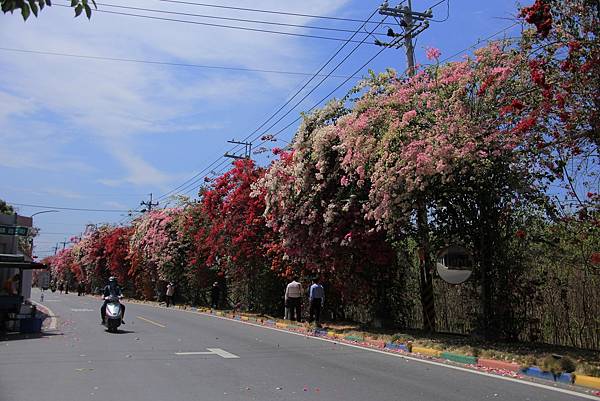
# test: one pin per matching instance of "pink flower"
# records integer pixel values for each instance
(433, 53)
(409, 115)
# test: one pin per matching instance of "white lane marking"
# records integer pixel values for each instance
(526, 383)
(53, 300)
(81, 310)
(223, 353)
(196, 353)
(211, 351)
(52, 315)
(152, 322)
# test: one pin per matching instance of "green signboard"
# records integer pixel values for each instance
(14, 230)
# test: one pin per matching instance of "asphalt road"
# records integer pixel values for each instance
(149, 361)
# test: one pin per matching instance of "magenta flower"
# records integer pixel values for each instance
(433, 53)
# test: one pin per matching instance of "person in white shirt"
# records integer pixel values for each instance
(293, 299)
(170, 293)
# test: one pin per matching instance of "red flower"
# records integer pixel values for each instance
(595, 258)
(539, 14)
(520, 234)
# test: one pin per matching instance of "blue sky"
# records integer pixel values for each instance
(98, 134)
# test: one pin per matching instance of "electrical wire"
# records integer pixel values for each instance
(69, 208)
(193, 180)
(316, 104)
(447, 11)
(234, 19)
(129, 60)
(268, 11)
(302, 35)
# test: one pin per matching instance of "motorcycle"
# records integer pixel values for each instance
(114, 313)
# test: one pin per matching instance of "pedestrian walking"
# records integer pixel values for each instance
(170, 293)
(60, 287)
(293, 299)
(316, 299)
(215, 294)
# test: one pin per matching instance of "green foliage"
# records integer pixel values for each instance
(400, 338)
(558, 364)
(28, 7)
(5, 208)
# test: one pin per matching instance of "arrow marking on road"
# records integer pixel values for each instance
(150, 321)
(211, 351)
(223, 353)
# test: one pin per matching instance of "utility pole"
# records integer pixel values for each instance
(149, 205)
(64, 243)
(55, 249)
(408, 18)
(247, 150)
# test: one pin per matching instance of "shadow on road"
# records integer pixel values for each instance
(17, 335)
(13, 336)
(119, 331)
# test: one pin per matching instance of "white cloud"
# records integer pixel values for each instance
(114, 103)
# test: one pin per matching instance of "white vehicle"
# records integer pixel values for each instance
(114, 313)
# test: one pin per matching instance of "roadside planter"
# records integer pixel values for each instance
(468, 360)
(427, 351)
(588, 381)
(534, 371)
(501, 365)
(397, 347)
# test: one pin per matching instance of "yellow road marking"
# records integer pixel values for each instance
(150, 321)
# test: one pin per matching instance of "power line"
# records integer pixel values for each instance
(313, 107)
(447, 11)
(444, 60)
(69, 208)
(268, 11)
(234, 19)
(186, 186)
(130, 60)
(479, 42)
(218, 25)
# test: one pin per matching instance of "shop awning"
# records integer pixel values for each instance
(8, 261)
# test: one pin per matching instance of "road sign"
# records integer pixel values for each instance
(454, 264)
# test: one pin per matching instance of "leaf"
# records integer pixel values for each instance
(34, 7)
(74, 3)
(78, 10)
(94, 2)
(88, 11)
(42, 4)
(49, 2)
(25, 11)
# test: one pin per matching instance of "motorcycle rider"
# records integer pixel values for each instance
(111, 289)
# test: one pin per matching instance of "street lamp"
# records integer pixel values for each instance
(31, 217)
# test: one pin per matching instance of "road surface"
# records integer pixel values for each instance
(173, 355)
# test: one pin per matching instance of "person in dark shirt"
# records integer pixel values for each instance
(215, 293)
(111, 289)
